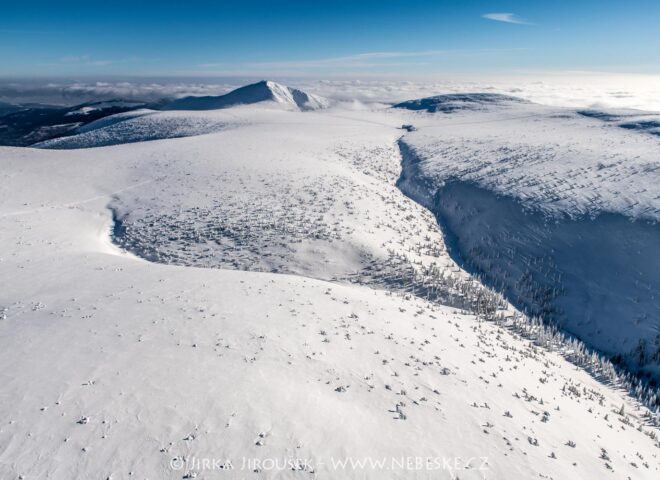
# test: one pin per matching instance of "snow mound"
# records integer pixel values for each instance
(138, 126)
(264, 91)
(453, 102)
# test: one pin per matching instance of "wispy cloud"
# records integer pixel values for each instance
(358, 64)
(361, 60)
(506, 18)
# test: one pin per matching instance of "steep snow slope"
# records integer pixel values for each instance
(117, 367)
(264, 91)
(556, 209)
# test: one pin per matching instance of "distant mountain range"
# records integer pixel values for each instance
(37, 124)
(25, 125)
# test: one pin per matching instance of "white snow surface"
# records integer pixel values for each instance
(556, 160)
(117, 367)
(140, 126)
(570, 227)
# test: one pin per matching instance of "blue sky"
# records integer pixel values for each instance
(327, 38)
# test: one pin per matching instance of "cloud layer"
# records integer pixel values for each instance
(70, 92)
(574, 90)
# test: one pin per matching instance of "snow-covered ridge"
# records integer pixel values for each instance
(452, 102)
(87, 108)
(185, 117)
(264, 91)
(47, 127)
(140, 126)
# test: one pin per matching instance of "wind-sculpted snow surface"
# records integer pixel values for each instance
(556, 161)
(141, 126)
(320, 204)
(557, 210)
(117, 367)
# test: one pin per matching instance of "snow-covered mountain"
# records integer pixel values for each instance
(180, 118)
(264, 91)
(61, 127)
(453, 102)
(219, 305)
